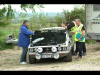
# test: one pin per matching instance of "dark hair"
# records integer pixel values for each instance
(25, 21)
(67, 22)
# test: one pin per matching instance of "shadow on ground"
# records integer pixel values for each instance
(50, 60)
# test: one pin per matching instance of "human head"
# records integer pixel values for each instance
(67, 23)
(78, 21)
(26, 23)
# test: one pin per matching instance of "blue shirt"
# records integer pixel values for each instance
(24, 39)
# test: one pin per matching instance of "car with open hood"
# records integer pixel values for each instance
(52, 42)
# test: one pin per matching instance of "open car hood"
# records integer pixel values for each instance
(51, 37)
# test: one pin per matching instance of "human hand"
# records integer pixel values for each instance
(62, 25)
(79, 39)
(31, 30)
(71, 32)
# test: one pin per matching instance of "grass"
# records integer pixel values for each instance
(8, 59)
(90, 41)
(54, 66)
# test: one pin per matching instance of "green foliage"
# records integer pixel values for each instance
(31, 6)
(77, 13)
(37, 20)
(59, 18)
(90, 41)
(9, 13)
(5, 46)
(43, 18)
(23, 15)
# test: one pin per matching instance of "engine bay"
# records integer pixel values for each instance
(51, 37)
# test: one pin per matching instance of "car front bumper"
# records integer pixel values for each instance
(52, 55)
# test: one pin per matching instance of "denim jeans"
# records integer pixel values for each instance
(79, 47)
(24, 54)
(83, 48)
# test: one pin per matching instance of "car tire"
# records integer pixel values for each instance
(32, 60)
(72, 50)
(68, 58)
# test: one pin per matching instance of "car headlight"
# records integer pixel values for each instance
(38, 56)
(31, 50)
(64, 48)
(35, 49)
(56, 55)
(39, 49)
(59, 48)
(54, 49)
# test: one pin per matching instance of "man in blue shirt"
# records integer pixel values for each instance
(24, 40)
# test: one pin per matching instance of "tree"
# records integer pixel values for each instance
(9, 13)
(77, 13)
(31, 6)
(33, 21)
(59, 18)
(43, 18)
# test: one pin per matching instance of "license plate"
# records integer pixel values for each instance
(46, 56)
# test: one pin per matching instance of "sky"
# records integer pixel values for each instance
(48, 7)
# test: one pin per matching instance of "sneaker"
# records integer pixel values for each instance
(84, 54)
(23, 63)
(79, 58)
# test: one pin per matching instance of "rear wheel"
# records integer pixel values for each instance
(68, 58)
(32, 60)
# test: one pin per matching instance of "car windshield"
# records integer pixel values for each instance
(51, 37)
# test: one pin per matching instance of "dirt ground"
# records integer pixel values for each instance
(10, 60)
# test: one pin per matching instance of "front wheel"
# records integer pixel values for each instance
(32, 60)
(68, 58)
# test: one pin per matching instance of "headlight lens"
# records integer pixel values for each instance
(54, 49)
(39, 49)
(59, 48)
(56, 55)
(31, 50)
(35, 49)
(38, 56)
(64, 48)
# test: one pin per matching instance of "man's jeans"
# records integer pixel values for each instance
(79, 47)
(24, 54)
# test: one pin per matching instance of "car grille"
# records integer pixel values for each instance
(47, 50)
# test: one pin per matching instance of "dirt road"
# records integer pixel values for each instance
(10, 60)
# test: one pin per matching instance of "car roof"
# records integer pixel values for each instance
(53, 28)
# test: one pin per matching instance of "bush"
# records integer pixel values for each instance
(4, 45)
(90, 41)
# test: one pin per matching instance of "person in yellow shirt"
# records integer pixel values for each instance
(69, 26)
(79, 37)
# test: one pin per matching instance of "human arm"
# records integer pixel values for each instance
(83, 32)
(72, 32)
(26, 31)
(63, 26)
